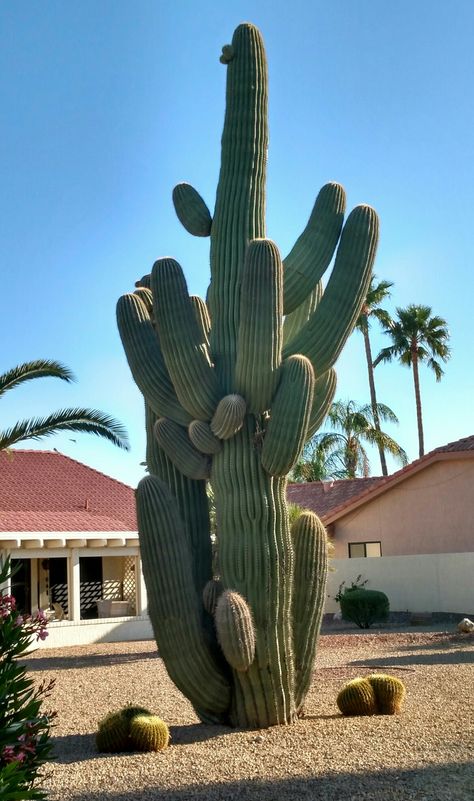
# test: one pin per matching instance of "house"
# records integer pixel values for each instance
(72, 535)
(419, 522)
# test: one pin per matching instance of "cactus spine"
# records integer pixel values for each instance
(238, 392)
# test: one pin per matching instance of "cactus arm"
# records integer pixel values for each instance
(313, 251)
(145, 359)
(259, 343)
(309, 587)
(296, 319)
(202, 318)
(202, 438)
(191, 210)
(239, 214)
(146, 298)
(185, 356)
(325, 333)
(229, 416)
(287, 427)
(324, 391)
(193, 505)
(174, 606)
(178, 447)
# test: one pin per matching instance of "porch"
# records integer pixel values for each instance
(90, 586)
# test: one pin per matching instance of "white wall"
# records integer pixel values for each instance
(84, 632)
(418, 583)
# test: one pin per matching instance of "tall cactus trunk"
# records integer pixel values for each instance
(227, 402)
(255, 554)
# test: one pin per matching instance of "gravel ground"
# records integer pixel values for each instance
(424, 754)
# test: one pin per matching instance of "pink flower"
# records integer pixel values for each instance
(42, 634)
(19, 621)
(8, 753)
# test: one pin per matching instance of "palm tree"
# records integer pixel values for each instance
(376, 294)
(417, 337)
(89, 420)
(353, 427)
(315, 463)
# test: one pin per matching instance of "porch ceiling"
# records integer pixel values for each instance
(30, 540)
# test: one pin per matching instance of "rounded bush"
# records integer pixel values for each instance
(364, 607)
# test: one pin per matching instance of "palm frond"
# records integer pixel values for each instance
(39, 368)
(90, 421)
(385, 355)
(436, 367)
(386, 414)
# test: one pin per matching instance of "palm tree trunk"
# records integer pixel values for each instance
(416, 381)
(373, 397)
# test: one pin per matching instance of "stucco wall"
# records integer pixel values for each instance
(85, 632)
(431, 512)
(423, 583)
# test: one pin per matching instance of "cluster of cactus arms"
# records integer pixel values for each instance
(233, 388)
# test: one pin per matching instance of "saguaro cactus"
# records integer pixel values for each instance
(231, 395)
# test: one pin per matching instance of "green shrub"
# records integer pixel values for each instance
(364, 607)
(25, 743)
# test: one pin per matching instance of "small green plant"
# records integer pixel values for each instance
(378, 694)
(25, 743)
(364, 607)
(355, 585)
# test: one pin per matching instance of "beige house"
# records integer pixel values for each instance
(411, 533)
(72, 536)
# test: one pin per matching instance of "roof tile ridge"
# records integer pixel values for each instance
(81, 464)
(95, 470)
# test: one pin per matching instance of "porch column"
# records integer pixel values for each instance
(34, 585)
(141, 599)
(6, 587)
(74, 586)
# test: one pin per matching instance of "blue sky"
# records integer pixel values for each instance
(106, 104)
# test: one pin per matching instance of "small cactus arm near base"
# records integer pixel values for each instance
(232, 392)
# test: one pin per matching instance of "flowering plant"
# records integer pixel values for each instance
(24, 728)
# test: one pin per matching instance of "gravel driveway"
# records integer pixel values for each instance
(425, 753)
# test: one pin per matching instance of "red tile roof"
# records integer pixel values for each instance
(331, 500)
(47, 491)
(323, 496)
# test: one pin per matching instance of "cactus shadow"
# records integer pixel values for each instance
(49, 663)
(448, 641)
(454, 657)
(71, 748)
(197, 733)
(452, 780)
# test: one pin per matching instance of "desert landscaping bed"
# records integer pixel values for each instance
(425, 753)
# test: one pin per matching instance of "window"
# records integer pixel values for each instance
(361, 549)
